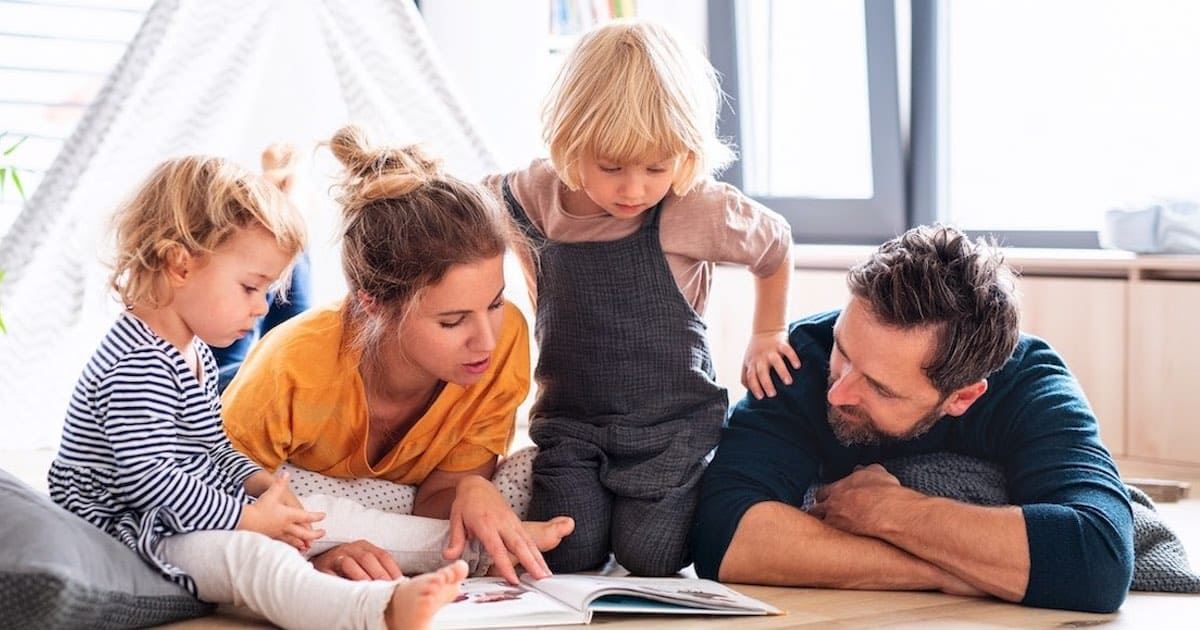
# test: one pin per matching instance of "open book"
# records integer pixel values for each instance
(571, 599)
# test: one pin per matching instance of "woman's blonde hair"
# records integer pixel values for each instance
(187, 208)
(405, 224)
(630, 92)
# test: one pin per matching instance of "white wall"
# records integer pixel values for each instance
(688, 18)
(495, 53)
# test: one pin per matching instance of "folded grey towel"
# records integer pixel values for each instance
(1164, 226)
(1160, 562)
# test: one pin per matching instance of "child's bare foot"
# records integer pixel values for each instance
(415, 601)
(547, 534)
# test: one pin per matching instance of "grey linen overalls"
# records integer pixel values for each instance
(628, 405)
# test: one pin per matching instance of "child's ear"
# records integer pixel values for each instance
(177, 264)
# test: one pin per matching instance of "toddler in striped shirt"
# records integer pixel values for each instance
(143, 454)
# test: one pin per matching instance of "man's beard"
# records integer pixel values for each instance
(853, 427)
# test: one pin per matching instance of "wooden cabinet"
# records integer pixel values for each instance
(1164, 371)
(1084, 319)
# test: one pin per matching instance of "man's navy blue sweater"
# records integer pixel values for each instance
(1033, 420)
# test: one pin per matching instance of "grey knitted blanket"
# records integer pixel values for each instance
(1159, 560)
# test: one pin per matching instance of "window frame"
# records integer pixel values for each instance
(929, 166)
(910, 171)
(822, 220)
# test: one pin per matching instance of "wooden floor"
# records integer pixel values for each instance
(813, 608)
(819, 608)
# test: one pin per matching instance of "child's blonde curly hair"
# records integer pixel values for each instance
(187, 208)
(630, 92)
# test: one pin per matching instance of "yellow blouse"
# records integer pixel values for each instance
(299, 398)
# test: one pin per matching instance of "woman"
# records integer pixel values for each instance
(414, 378)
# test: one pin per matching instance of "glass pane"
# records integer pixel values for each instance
(1061, 110)
(48, 20)
(25, 86)
(37, 120)
(56, 57)
(805, 111)
(58, 54)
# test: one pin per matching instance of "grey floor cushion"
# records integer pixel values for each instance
(59, 571)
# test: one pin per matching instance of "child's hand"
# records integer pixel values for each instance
(278, 514)
(288, 498)
(258, 483)
(767, 351)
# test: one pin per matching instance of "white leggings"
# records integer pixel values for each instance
(276, 581)
(513, 477)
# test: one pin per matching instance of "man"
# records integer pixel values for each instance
(926, 357)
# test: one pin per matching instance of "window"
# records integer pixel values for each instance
(814, 112)
(54, 57)
(1058, 111)
(1026, 119)
(804, 86)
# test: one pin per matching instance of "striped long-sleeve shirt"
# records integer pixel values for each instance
(143, 454)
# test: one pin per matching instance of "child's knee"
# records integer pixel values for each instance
(648, 560)
(651, 543)
(579, 553)
(241, 543)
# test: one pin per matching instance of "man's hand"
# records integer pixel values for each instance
(358, 560)
(947, 534)
(861, 502)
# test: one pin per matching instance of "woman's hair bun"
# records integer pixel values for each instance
(378, 172)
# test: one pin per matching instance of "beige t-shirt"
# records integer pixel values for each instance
(714, 223)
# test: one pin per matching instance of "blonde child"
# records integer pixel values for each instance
(627, 224)
(279, 163)
(143, 455)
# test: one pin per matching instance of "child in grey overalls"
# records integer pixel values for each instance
(625, 224)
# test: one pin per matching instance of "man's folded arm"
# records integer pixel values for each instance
(1077, 514)
(747, 528)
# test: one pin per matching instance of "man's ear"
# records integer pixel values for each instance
(962, 398)
(178, 264)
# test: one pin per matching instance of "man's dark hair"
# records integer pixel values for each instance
(937, 276)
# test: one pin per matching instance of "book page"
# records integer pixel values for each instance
(578, 591)
(494, 603)
(573, 590)
(641, 605)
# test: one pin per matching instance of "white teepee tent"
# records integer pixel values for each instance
(225, 77)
